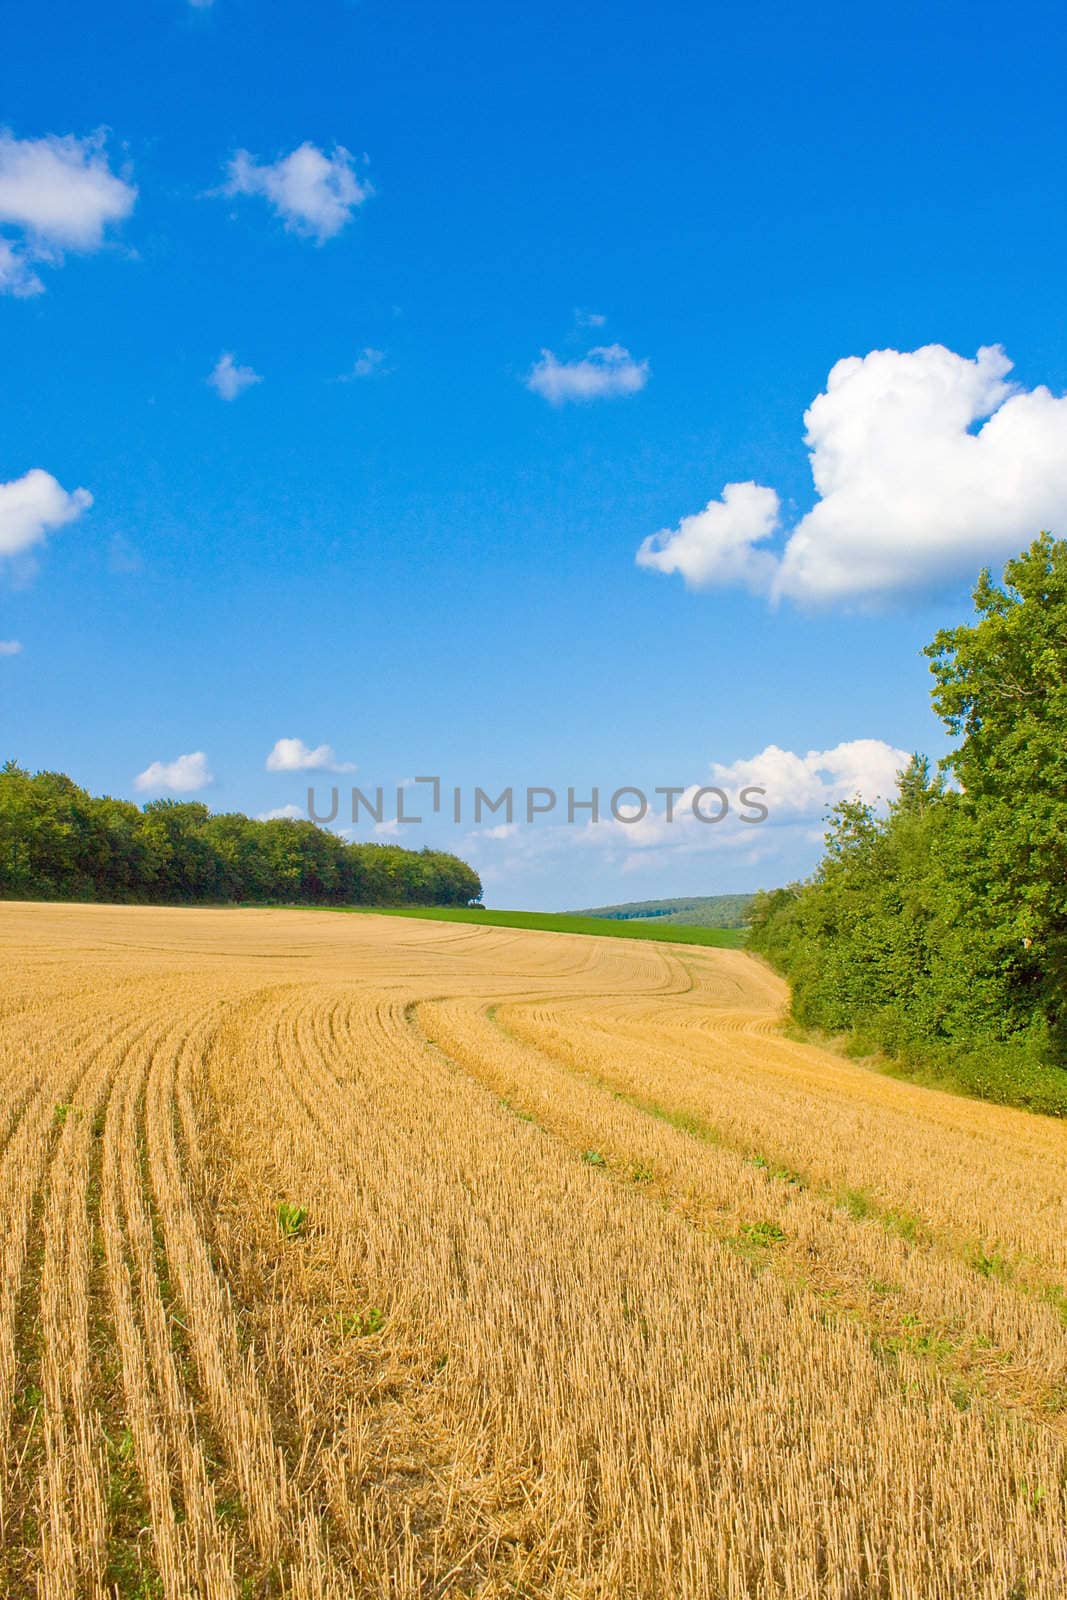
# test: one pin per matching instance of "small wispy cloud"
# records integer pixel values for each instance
(293, 755)
(123, 557)
(181, 776)
(289, 813)
(606, 372)
(588, 319)
(10, 647)
(229, 380)
(17, 277)
(368, 364)
(314, 194)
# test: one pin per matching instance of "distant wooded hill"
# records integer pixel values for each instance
(701, 911)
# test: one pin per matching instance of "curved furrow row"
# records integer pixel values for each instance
(43, 1229)
(241, 1387)
(992, 1339)
(961, 1179)
(578, 1415)
(193, 1551)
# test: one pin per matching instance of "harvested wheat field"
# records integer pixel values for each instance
(359, 1256)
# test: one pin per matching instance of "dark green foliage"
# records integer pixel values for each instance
(57, 842)
(938, 933)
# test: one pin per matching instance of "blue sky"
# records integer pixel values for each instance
(412, 540)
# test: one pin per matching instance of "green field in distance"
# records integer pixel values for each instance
(553, 922)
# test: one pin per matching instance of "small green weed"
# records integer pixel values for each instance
(228, 1508)
(516, 1111)
(292, 1219)
(991, 1264)
(27, 1400)
(762, 1233)
(918, 1340)
(1056, 1296)
(358, 1324)
(856, 1203)
(783, 1174)
(1032, 1495)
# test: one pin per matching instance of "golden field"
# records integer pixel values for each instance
(591, 1283)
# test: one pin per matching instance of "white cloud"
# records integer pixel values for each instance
(588, 319)
(293, 755)
(10, 647)
(799, 789)
(716, 545)
(34, 506)
(606, 372)
(807, 785)
(314, 194)
(288, 813)
(502, 830)
(181, 776)
(927, 465)
(368, 364)
(229, 380)
(17, 277)
(60, 194)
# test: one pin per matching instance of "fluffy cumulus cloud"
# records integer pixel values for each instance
(10, 647)
(289, 813)
(797, 790)
(56, 194)
(230, 380)
(719, 544)
(293, 755)
(807, 785)
(181, 776)
(34, 506)
(314, 194)
(606, 372)
(927, 465)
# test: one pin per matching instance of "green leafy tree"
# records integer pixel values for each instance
(58, 842)
(938, 930)
(1002, 688)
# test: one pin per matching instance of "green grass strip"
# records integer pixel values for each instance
(551, 922)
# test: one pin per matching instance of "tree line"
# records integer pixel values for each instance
(937, 932)
(58, 842)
